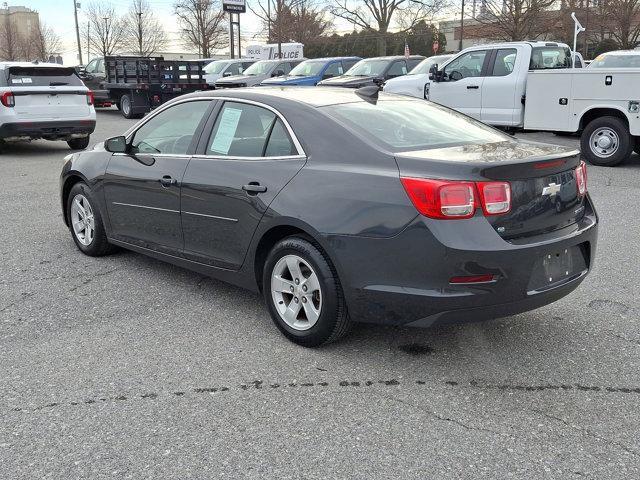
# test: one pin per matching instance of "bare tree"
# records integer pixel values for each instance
(377, 16)
(45, 42)
(291, 20)
(203, 24)
(143, 29)
(513, 20)
(622, 16)
(10, 40)
(107, 28)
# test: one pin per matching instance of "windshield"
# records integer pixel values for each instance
(616, 61)
(368, 68)
(43, 77)
(425, 65)
(550, 57)
(259, 68)
(307, 69)
(215, 67)
(401, 125)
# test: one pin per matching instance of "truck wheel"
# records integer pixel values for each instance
(78, 143)
(606, 142)
(126, 107)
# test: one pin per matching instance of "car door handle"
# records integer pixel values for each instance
(253, 188)
(167, 181)
(472, 87)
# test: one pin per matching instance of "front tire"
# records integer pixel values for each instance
(303, 293)
(85, 222)
(79, 143)
(606, 142)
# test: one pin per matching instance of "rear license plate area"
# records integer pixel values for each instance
(557, 267)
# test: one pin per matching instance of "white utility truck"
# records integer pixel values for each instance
(531, 86)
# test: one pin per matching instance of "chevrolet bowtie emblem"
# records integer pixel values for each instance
(552, 189)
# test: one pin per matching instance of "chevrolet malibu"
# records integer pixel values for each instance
(340, 206)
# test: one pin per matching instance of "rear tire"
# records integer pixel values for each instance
(79, 143)
(85, 222)
(126, 107)
(303, 293)
(606, 142)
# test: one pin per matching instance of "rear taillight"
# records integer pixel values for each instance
(581, 178)
(495, 197)
(441, 198)
(450, 199)
(90, 98)
(8, 99)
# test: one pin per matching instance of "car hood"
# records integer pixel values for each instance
(240, 78)
(349, 81)
(287, 80)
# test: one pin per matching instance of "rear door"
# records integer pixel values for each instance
(461, 85)
(142, 187)
(246, 156)
(501, 105)
(48, 93)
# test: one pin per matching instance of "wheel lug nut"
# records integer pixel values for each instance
(291, 288)
(304, 299)
(304, 288)
(295, 299)
(297, 281)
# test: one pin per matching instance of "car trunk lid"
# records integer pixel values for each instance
(544, 192)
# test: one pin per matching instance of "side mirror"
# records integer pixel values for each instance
(116, 144)
(277, 73)
(433, 73)
(226, 74)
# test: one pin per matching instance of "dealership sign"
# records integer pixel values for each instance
(234, 6)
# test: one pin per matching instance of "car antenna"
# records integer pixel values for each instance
(369, 94)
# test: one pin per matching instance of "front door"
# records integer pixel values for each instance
(461, 85)
(242, 164)
(142, 187)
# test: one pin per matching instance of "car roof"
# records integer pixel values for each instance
(331, 59)
(396, 57)
(310, 96)
(5, 65)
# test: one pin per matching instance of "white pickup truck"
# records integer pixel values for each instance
(531, 86)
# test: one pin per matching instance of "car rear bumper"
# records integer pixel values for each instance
(409, 281)
(48, 129)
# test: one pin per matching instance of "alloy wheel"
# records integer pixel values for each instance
(296, 292)
(82, 220)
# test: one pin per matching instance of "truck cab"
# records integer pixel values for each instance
(488, 82)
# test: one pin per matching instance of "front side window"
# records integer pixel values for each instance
(397, 69)
(243, 130)
(402, 125)
(333, 70)
(91, 66)
(505, 62)
(171, 131)
(465, 66)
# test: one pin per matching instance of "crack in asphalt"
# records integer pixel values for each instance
(586, 431)
(261, 385)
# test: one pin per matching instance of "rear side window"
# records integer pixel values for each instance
(402, 125)
(243, 130)
(505, 62)
(550, 57)
(43, 77)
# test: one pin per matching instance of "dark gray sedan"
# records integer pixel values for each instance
(340, 205)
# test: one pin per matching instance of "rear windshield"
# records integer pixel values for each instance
(543, 58)
(401, 125)
(42, 77)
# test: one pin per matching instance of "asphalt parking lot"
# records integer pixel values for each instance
(125, 367)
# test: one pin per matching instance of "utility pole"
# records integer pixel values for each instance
(269, 19)
(461, 27)
(105, 41)
(139, 33)
(88, 36)
(75, 14)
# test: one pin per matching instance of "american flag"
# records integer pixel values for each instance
(407, 53)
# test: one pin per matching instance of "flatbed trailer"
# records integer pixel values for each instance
(136, 85)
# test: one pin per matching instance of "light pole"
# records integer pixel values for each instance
(75, 15)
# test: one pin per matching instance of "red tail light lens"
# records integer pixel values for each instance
(495, 197)
(441, 198)
(581, 178)
(90, 98)
(485, 278)
(8, 99)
